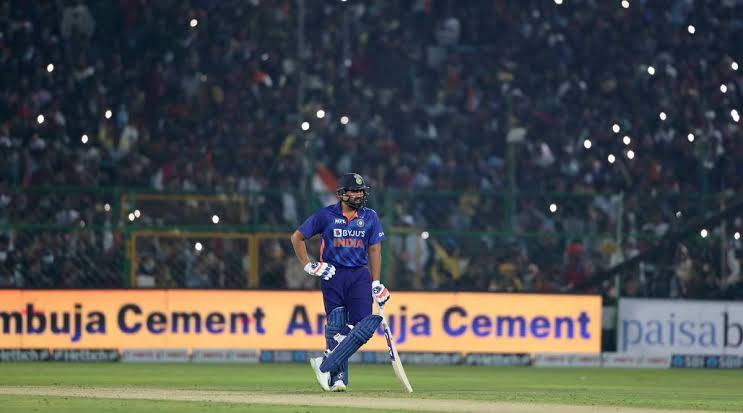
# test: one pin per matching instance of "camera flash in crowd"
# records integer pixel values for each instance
(215, 219)
(425, 235)
(131, 216)
(651, 70)
(558, 2)
(662, 116)
(137, 214)
(737, 235)
(553, 208)
(108, 114)
(587, 144)
(723, 88)
(678, 214)
(735, 115)
(305, 125)
(690, 137)
(691, 29)
(50, 68)
(703, 233)
(625, 4)
(198, 246)
(611, 158)
(320, 114)
(344, 120)
(107, 207)
(626, 140)
(40, 119)
(194, 23)
(631, 154)
(84, 139)
(734, 65)
(615, 128)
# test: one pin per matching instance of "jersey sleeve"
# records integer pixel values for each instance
(313, 225)
(377, 233)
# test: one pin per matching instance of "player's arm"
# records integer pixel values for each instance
(380, 293)
(300, 248)
(323, 270)
(375, 261)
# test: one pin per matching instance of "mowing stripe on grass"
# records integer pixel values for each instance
(325, 399)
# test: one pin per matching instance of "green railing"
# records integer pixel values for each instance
(127, 237)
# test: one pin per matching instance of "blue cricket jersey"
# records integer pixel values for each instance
(344, 242)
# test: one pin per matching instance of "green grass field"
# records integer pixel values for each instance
(210, 387)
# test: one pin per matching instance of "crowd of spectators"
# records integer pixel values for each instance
(566, 127)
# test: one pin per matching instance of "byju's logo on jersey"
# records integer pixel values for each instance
(348, 238)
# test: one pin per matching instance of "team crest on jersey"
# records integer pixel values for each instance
(360, 222)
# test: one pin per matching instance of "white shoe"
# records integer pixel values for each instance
(339, 385)
(322, 378)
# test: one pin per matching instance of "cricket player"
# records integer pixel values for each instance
(349, 269)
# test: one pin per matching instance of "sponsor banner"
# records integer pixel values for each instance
(680, 327)
(15, 355)
(429, 359)
(85, 355)
(224, 356)
(567, 360)
(284, 356)
(625, 360)
(294, 320)
(695, 361)
(154, 355)
(498, 359)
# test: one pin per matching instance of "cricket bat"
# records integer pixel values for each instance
(394, 357)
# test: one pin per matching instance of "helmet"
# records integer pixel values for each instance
(353, 182)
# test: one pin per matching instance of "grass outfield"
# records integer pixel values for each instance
(247, 388)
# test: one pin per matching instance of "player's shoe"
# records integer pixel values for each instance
(322, 378)
(339, 385)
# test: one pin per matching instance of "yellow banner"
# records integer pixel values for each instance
(287, 320)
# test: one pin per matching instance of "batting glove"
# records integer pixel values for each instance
(320, 269)
(380, 292)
